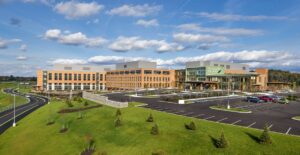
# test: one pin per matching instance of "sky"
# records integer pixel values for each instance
(35, 34)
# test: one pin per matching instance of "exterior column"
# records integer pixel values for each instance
(72, 86)
(91, 86)
(53, 86)
(63, 86)
(81, 86)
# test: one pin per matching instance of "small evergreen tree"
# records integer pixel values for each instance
(86, 103)
(265, 136)
(222, 143)
(118, 122)
(154, 130)
(190, 126)
(118, 113)
(150, 118)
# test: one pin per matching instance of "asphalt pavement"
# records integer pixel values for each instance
(7, 117)
(276, 116)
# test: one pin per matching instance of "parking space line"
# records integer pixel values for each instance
(287, 132)
(251, 125)
(199, 115)
(236, 122)
(270, 126)
(209, 117)
(222, 119)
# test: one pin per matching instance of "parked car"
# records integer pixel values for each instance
(283, 100)
(266, 99)
(275, 98)
(253, 99)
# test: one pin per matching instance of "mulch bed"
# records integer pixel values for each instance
(63, 130)
(78, 109)
(50, 123)
(87, 152)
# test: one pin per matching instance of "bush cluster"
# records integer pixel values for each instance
(222, 142)
(191, 126)
(154, 130)
(69, 103)
(265, 136)
(150, 118)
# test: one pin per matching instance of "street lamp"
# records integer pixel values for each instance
(14, 124)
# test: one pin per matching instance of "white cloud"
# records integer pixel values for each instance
(147, 23)
(236, 17)
(75, 10)
(124, 44)
(23, 47)
(259, 58)
(5, 42)
(77, 38)
(220, 30)
(68, 61)
(52, 34)
(21, 58)
(135, 10)
(198, 38)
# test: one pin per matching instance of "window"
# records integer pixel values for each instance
(55, 76)
(157, 72)
(86, 68)
(89, 77)
(216, 65)
(101, 77)
(227, 66)
(70, 76)
(84, 77)
(147, 71)
(94, 77)
(166, 72)
(132, 72)
(138, 72)
(67, 68)
(60, 76)
(50, 76)
(244, 68)
(79, 77)
(66, 76)
(125, 66)
(75, 76)
(222, 65)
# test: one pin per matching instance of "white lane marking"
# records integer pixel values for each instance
(236, 122)
(270, 126)
(251, 125)
(287, 132)
(209, 117)
(222, 119)
(199, 115)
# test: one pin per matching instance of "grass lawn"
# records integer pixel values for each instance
(33, 136)
(230, 110)
(297, 118)
(6, 99)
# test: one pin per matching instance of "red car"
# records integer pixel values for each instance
(266, 99)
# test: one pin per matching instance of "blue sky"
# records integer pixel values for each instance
(35, 34)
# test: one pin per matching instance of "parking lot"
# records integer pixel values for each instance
(276, 116)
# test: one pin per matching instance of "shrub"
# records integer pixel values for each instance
(64, 128)
(86, 103)
(265, 136)
(80, 116)
(50, 121)
(150, 118)
(118, 122)
(90, 148)
(118, 113)
(69, 103)
(154, 130)
(158, 153)
(190, 126)
(222, 142)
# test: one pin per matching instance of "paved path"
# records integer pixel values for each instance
(276, 116)
(6, 117)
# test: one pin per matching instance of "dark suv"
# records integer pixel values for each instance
(253, 99)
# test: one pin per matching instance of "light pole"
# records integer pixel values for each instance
(14, 124)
